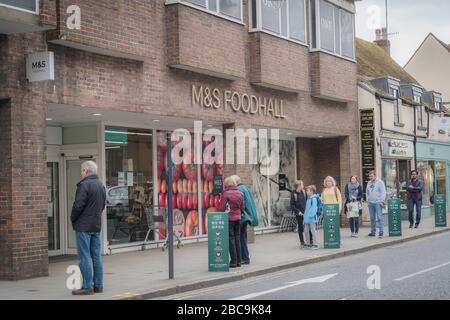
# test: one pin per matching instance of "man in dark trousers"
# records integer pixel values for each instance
(86, 217)
(415, 187)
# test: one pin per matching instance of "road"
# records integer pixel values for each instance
(417, 270)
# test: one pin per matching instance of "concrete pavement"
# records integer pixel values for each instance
(141, 275)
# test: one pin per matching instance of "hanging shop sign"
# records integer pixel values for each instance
(440, 211)
(40, 66)
(214, 98)
(331, 226)
(397, 148)
(367, 122)
(395, 218)
(218, 260)
(217, 184)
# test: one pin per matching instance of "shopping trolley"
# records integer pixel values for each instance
(157, 220)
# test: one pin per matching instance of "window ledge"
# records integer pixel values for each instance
(279, 36)
(400, 125)
(422, 128)
(193, 6)
(332, 54)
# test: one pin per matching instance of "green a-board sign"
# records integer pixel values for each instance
(218, 242)
(331, 226)
(395, 218)
(440, 211)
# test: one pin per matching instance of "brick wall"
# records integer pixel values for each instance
(23, 193)
(332, 77)
(204, 42)
(119, 26)
(277, 62)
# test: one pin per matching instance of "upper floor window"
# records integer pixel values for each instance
(437, 105)
(229, 8)
(394, 92)
(420, 116)
(287, 21)
(23, 5)
(332, 29)
(417, 99)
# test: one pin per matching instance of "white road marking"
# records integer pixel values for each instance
(288, 285)
(423, 271)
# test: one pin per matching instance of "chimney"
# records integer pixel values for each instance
(382, 40)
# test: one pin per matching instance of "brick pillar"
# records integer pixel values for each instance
(23, 184)
(350, 163)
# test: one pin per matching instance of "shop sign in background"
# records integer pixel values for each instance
(367, 123)
(440, 211)
(218, 242)
(395, 217)
(331, 226)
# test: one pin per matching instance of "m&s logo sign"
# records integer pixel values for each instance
(40, 66)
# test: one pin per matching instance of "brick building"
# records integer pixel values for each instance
(125, 71)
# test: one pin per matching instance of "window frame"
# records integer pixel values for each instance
(318, 35)
(206, 9)
(259, 27)
(36, 12)
(393, 91)
(420, 116)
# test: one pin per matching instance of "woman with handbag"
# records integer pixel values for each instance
(353, 204)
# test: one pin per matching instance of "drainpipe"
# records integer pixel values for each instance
(415, 137)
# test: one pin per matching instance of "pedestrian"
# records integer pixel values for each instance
(249, 217)
(353, 198)
(414, 190)
(234, 200)
(310, 217)
(298, 205)
(376, 200)
(331, 193)
(86, 217)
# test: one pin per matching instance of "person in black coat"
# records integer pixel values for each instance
(298, 205)
(86, 217)
(353, 193)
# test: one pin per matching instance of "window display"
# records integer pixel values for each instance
(129, 183)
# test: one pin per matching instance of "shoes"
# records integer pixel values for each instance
(238, 265)
(98, 290)
(371, 234)
(315, 247)
(380, 236)
(355, 235)
(83, 292)
(233, 265)
(411, 225)
(417, 226)
(245, 262)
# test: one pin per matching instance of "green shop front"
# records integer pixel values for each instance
(433, 164)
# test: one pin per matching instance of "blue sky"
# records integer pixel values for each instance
(413, 20)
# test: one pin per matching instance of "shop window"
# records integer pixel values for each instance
(196, 189)
(228, 8)
(441, 181)
(287, 21)
(129, 183)
(389, 175)
(332, 29)
(425, 173)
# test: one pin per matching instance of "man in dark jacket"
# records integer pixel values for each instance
(86, 220)
(415, 187)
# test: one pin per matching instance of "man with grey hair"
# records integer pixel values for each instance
(249, 217)
(86, 217)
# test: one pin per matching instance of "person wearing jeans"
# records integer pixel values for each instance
(376, 199)
(89, 256)
(249, 217)
(310, 217)
(234, 200)
(353, 194)
(414, 190)
(86, 217)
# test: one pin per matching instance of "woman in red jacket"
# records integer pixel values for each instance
(232, 201)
